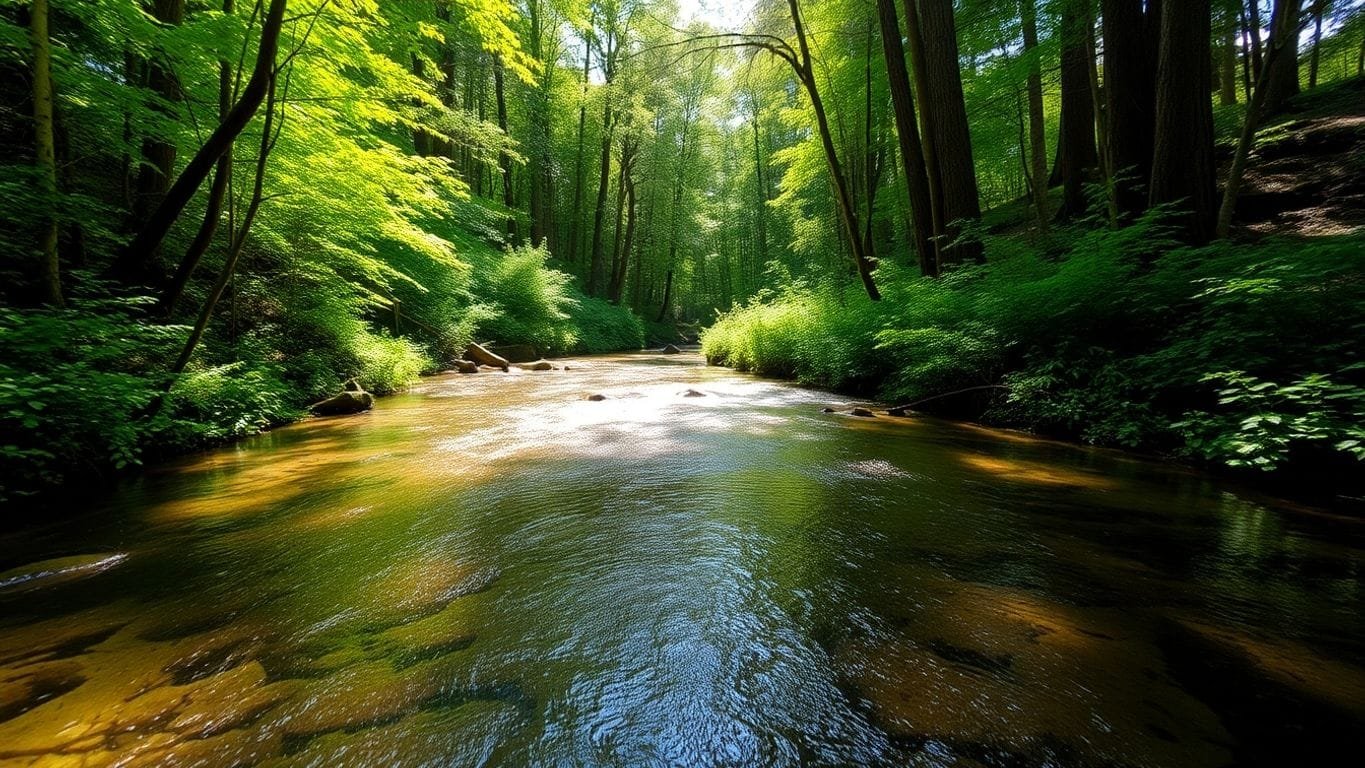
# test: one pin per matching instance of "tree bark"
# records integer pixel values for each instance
(158, 153)
(1028, 15)
(1284, 76)
(919, 78)
(1279, 42)
(952, 137)
(173, 204)
(907, 134)
(50, 282)
(509, 192)
(576, 222)
(1076, 154)
(1130, 96)
(1182, 159)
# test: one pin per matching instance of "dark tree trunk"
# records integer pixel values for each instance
(919, 78)
(1182, 158)
(668, 297)
(509, 192)
(1319, 9)
(213, 209)
(576, 221)
(1130, 96)
(907, 133)
(50, 281)
(135, 255)
(1037, 143)
(158, 152)
(952, 138)
(1076, 154)
(599, 213)
(1284, 76)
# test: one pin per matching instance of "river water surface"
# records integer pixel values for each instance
(492, 570)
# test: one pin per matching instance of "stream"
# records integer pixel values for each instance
(492, 570)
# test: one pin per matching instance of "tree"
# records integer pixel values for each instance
(936, 36)
(1028, 15)
(158, 152)
(45, 144)
(907, 133)
(1076, 153)
(1182, 158)
(132, 260)
(1130, 36)
(1284, 76)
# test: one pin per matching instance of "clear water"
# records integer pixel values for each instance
(492, 570)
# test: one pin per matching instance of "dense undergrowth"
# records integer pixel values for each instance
(1241, 354)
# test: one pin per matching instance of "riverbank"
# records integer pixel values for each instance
(1240, 356)
(84, 398)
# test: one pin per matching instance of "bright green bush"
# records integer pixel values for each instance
(600, 326)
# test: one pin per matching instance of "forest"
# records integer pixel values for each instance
(1131, 224)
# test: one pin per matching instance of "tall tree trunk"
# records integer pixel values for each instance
(1182, 159)
(952, 137)
(50, 282)
(919, 78)
(1076, 153)
(1279, 42)
(603, 185)
(158, 153)
(213, 209)
(1254, 9)
(1028, 14)
(668, 297)
(509, 192)
(576, 222)
(862, 260)
(622, 265)
(1284, 76)
(1320, 8)
(220, 141)
(1130, 96)
(907, 134)
(760, 188)
(269, 135)
(540, 155)
(1246, 50)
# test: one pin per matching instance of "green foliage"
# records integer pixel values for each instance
(1111, 343)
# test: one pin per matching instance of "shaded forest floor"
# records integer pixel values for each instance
(1307, 172)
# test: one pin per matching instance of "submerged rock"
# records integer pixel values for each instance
(826, 410)
(863, 413)
(539, 365)
(693, 393)
(479, 354)
(344, 403)
(898, 411)
(466, 366)
(597, 398)
(670, 350)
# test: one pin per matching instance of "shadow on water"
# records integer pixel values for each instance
(492, 569)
